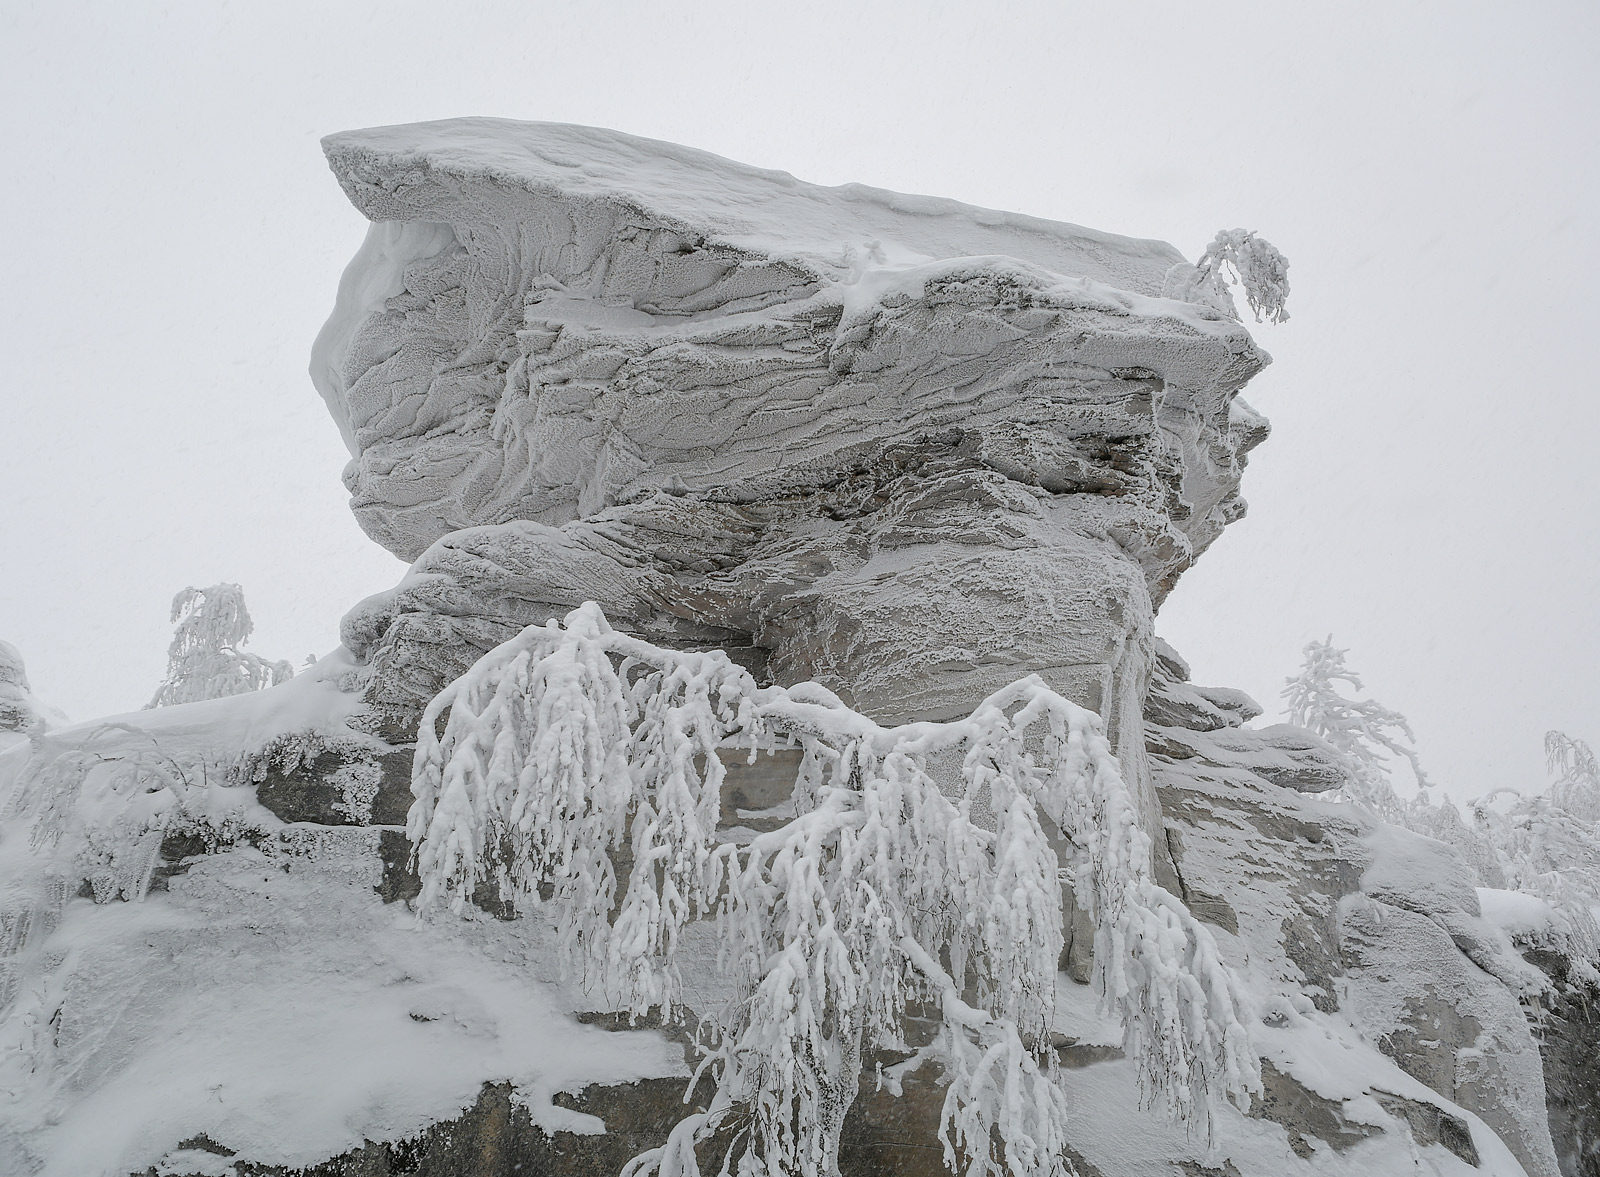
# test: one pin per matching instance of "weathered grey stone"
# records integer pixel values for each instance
(1258, 859)
(20, 709)
(341, 787)
(1566, 1024)
(1305, 1115)
(1352, 913)
(1447, 1023)
(1431, 1124)
(907, 448)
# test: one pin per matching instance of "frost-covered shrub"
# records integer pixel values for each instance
(1251, 262)
(98, 808)
(205, 659)
(918, 868)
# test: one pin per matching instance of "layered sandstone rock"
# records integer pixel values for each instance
(906, 447)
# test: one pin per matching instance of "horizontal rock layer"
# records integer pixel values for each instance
(546, 320)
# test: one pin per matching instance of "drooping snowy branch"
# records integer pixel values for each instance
(205, 659)
(1253, 263)
(917, 869)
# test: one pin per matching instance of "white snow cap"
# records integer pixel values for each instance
(812, 226)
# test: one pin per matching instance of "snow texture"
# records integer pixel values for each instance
(266, 997)
(1359, 931)
(270, 1001)
(887, 485)
(548, 319)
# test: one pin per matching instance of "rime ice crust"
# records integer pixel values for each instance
(907, 447)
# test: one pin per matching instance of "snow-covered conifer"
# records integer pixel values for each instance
(1548, 843)
(1577, 785)
(1254, 264)
(917, 868)
(1364, 732)
(205, 659)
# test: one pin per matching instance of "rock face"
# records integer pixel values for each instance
(902, 446)
(1354, 918)
(20, 710)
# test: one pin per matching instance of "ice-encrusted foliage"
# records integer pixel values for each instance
(1577, 785)
(1254, 264)
(1548, 843)
(579, 765)
(1364, 732)
(205, 659)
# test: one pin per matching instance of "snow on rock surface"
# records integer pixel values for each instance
(271, 1003)
(905, 447)
(548, 319)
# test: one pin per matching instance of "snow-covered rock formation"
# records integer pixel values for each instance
(21, 711)
(902, 446)
(906, 448)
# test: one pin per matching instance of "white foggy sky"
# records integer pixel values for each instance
(173, 242)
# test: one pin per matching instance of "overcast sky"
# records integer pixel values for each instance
(1429, 493)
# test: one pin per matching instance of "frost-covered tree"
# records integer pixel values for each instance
(1250, 262)
(205, 659)
(579, 767)
(1545, 844)
(1577, 785)
(1548, 843)
(1363, 731)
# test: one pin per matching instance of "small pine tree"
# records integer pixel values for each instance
(1253, 263)
(1364, 732)
(204, 660)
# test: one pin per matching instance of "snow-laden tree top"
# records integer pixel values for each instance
(205, 659)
